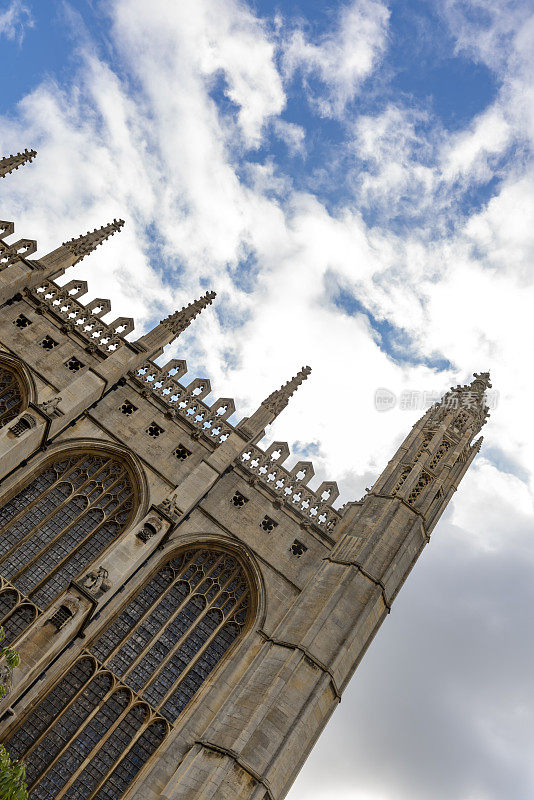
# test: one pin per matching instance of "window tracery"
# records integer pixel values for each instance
(88, 739)
(63, 520)
(173, 633)
(11, 395)
(93, 731)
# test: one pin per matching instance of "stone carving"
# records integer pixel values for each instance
(290, 487)
(170, 507)
(278, 400)
(96, 581)
(25, 423)
(151, 528)
(51, 407)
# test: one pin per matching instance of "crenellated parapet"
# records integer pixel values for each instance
(291, 486)
(12, 253)
(19, 273)
(84, 320)
(187, 402)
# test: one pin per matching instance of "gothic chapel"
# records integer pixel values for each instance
(187, 610)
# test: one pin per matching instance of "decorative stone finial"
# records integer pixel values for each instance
(180, 320)
(172, 326)
(10, 163)
(85, 244)
(279, 399)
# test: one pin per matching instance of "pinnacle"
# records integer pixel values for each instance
(13, 162)
(180, 320)
(481, 381)
(279, 399)
(83, 245)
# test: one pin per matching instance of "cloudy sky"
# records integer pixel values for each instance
(356, 180)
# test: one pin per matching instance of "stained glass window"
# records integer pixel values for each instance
(61, 522)
(172, 634)
(90, 735)
(10, 396)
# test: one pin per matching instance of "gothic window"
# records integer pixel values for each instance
(154, 430)
(15, 614)
(239, 499)
(11, 395)
(62, 521)
(442, 451)
(90, 734)
(48, 343)
(22, 321)
(172, 634)
(268, 524)
(297, 548)
(73, 364)
(461, 422)
(423, 481)
(181, 452)
(89, 737)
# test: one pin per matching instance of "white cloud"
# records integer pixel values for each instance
(147, 141)
(14, 19)
(343, 58)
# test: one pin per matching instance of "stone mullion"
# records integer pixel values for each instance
(7, 412)
(209, 606)
(72, 552)
(169, 621)
(204, 647)
(65, 530)
(82, 688)
(152, 717)
(141, 619)
(87, 760)
(82, 727)
(21, 599)
(17, 517)
(62, 504)
(178, 576)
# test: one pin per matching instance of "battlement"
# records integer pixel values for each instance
(85, 320)
(11, 253)
(211, 421)
(290, 486)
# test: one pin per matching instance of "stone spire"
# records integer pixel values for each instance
(70, 253)
(429, 465)
(469, 398)
(84, 245)
(11, 163)
(253, 427)
(172, 326)
(278, 400)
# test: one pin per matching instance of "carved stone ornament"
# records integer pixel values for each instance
(25, 423)
(51, 407)
(170, 507)
(96, 581)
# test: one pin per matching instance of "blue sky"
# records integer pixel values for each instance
(356, 180)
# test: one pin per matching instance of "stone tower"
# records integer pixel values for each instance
(188, 611)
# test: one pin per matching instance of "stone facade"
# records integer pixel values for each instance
(127, 498)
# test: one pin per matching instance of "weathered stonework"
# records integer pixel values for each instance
(134, 497)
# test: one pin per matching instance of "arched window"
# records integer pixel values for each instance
(11, 395)
(176, 629)
(91, 734)
(62, 521)
(89, 738)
